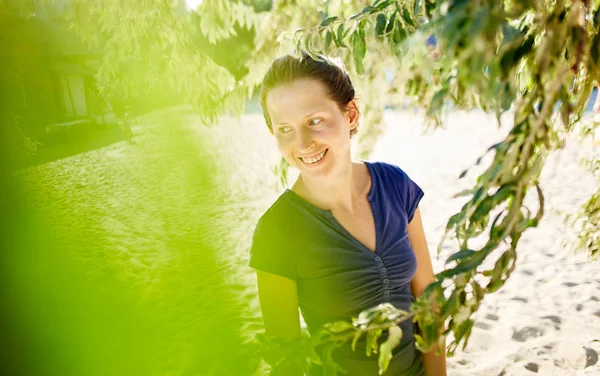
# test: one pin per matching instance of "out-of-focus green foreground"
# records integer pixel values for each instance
(118, 261)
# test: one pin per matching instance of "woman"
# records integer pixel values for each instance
(348, 235)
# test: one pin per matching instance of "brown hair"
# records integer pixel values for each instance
(287, 69)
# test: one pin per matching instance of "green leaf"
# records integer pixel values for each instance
(463, 314)
(369, 9)
(596, 18)
(328, 21)
(340, 36)
(359, 50)
(299, 46)
(451, 305)
(407, 18)
(477, 291)
(430, 330)
(513, 55)
(330, 367)
(533, 172)
(416, 6)
(339, 326)
(390, 25)
(307, 44)
(419, 341)
(453, 221)
(495, 284)
(372, 336)
(385, 354)
(462, 254)
(359, 66)
(399, 33)
(467, 333)
(357, 335)
(429, 8)
(492, 201)
(355, 16)
(463, 328)
(328, 39)
(383, 4)
(380, 25)
(495, 230)
(436, 102)
(463, 193)
(464, 266)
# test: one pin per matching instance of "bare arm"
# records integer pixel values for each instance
(434, 365)
(279, 305)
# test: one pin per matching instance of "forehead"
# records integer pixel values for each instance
(298, 99)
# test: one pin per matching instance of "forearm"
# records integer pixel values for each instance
(435, 365)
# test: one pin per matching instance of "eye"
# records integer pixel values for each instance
(284, 130)
(314, 121)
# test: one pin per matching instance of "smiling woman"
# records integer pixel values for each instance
(310, 108)
(342, 239)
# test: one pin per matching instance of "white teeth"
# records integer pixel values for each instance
(314, 159)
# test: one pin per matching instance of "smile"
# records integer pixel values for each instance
(314, 159)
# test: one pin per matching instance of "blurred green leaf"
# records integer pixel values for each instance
(328, 21)
(341, 35)
(380, 26)
(386, 348)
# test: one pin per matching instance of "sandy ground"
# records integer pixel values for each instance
(546, 319)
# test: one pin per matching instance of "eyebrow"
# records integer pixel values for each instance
(305, 118)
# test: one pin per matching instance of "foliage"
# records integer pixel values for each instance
(524, 56)
(528, 57)
(370, 323)
(116, 266)
(147, 46)
(19, 145)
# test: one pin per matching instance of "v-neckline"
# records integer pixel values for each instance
(328, 213)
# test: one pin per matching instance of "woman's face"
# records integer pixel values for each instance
(312, 132)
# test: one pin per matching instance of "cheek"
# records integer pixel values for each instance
(282, 142)
(337, 131)
(284, 145)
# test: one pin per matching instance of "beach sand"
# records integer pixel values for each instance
(546, 318)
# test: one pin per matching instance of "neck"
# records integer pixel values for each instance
(341, 192)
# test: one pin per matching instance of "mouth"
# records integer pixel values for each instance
(314, 160)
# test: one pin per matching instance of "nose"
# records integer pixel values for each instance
(305, 141)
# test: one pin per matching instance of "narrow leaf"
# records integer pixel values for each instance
(380, 25)
(390, 25)
(328, 21)
(385, 350)
(328, 39)
(340, 36)
(407, 18)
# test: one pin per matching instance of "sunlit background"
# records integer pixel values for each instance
(127, 220)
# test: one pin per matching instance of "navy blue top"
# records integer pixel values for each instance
(336, 275)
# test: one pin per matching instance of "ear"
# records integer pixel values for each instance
(352, 114)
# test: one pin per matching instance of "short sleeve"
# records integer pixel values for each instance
(410, 193)
(270, 252)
